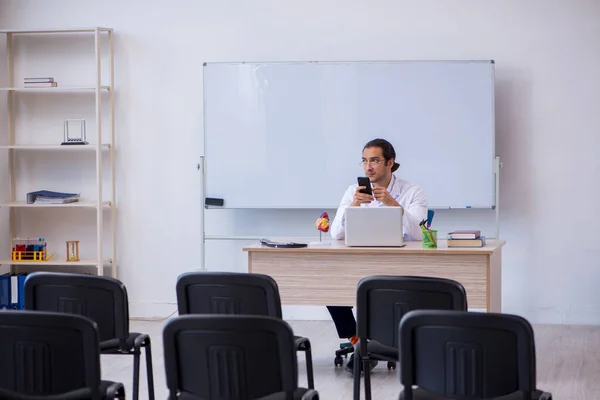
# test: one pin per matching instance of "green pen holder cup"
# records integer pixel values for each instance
(430, 239)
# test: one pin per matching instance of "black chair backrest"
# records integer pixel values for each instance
(228, 293)
(229, 356)
(467, 355)
(101, 298)
(47, 354)
(382, 301)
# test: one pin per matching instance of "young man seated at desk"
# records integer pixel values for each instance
(379, 163)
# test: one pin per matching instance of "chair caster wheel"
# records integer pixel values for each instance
(391, 365)
(338, 361)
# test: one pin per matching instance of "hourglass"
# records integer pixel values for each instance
(73, 250)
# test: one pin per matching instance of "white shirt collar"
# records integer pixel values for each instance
(392, 184)
(393, 189)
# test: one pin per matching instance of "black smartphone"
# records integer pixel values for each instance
(366, 182)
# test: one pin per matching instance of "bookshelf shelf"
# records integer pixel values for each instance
(53, 31)
(55, 89)
(56, 147)
(32, 117)
(79, 204)
(56, 261)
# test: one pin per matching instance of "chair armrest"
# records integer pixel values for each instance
(545, 396)
(115, 391)
(311, 394)
(140, 339)
(302, 343)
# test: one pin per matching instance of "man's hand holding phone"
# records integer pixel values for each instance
(363, 193)
(381, 194)
(361, 198)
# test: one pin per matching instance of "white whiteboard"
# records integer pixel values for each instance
(291, 134)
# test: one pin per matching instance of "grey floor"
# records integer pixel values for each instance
(568, 363)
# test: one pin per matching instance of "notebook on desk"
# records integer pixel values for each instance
(374, 227)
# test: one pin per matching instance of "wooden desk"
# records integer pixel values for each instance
(328, 274)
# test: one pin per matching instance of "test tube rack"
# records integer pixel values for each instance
(30, 250)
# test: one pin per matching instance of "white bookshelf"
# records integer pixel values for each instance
(19, 143)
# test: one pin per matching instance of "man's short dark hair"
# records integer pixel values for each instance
(386, 148)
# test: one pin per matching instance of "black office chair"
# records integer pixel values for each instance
(235, 293)
(101, 298)
(231, 357)
(51, 356)
(381, 302)
(462, 355)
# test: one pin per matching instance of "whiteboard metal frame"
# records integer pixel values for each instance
(300, 62)
(498, 166)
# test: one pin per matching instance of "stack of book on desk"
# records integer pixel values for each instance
(469, 238)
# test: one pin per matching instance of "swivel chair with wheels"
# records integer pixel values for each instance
(347, 347)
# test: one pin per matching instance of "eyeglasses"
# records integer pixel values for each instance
(372, 161)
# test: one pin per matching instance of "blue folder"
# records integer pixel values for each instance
(17, 295)
(21, 278)
(12, 291)
(5, 294)
(32, 196)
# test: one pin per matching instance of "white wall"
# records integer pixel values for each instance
(548, 94)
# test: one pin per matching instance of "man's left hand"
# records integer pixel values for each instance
(381, 194)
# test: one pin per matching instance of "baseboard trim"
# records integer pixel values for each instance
(556, 316)
(320, 313)
(152, 311)
(306, 313)
(160, 311)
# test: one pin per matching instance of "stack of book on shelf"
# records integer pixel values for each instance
(466, 238)
(40, 82)
(49, 197)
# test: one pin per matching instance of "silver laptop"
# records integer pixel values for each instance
(374, 226)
